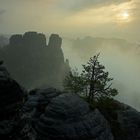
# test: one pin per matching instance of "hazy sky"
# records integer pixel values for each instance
(79, 18)
(72, 18)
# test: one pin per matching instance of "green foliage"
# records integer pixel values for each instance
(93, 81)
(74, 82)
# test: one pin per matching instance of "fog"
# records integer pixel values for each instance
(103, 18)
(120, 58)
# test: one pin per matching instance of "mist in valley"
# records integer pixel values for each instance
(103, 20)
(120, 58)
(42, 42)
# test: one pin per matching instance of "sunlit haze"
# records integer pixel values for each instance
(107, 26)
(106, 18)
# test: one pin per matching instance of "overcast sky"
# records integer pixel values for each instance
(72, 18)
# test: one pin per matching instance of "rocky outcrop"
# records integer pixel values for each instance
(11, 94)
(3, 41)
(129, 120)
(55, 41)
(32, 62)
(30, 39)
(16, 40)
(50, 114)
(56, 115)
(123, 119)
(38, 99)
(11, 102)
(68, 117)
(34, 39)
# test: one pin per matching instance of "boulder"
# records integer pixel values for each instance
(38, 99)
(69, 117)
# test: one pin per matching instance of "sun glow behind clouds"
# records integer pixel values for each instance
(120, 14)
(124, 12)
(124, 17)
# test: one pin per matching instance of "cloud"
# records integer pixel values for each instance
(84, 4)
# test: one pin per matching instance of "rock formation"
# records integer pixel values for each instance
(129, 120)
(11, 94)
(11, 102)
(15, 40)
(34, 39)
(38, 99)
(68, 117)
(123, 119)
(55, 41)
(32, 62)
(50, 114)
(3, 41)
(29, 39)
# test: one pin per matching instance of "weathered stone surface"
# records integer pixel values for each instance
(68, 117)
(35, 105)
(38, 99)
(129, 120)
(123, 119)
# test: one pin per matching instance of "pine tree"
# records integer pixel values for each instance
(94, 81)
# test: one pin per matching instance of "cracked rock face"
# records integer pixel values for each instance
(68, 117)
(38, 99)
